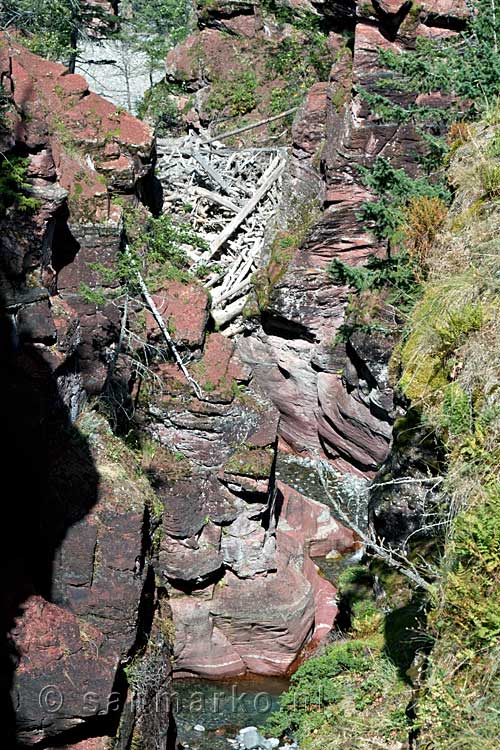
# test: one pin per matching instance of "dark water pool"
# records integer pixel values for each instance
(222, 708)
(332, 568)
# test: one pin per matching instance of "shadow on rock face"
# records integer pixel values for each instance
(49, 482)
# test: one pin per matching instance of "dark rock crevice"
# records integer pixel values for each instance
(45, 458)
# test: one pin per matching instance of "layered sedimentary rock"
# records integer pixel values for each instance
(330, 400)
(215, 508)
(229, 566)
(260, 624)
(330, 388)
(231, 546)
(77, 591)
(82, 152)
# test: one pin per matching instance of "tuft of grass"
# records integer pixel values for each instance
(449, 359)
(424, 217)
(489, 174)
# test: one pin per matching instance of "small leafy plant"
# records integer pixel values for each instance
(14, 185)
(235, 96)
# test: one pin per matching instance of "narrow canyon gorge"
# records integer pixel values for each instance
(167, 519)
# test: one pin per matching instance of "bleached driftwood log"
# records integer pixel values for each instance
(266, 184)
(222, 317)
(230, 198)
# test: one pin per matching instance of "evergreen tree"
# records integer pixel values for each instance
(154, 27)
(52, 28)
(467, 65)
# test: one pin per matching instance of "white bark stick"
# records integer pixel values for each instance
(232, 292)
(166, 335)
(216, 198)
(252, 126)
(245, 211)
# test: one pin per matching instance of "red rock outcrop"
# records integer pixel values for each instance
(82, 152)
(187, 305)
(334, 398)
(77, 592)
(233, 51)
(260, 624)
(229, 555)
(66, 671)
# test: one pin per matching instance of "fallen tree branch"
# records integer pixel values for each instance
(409, 480)
(240, 288)
(252, 126)
(393, 558)
(168, 338)
(210, 171)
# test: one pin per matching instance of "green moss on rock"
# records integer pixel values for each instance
(251, 462)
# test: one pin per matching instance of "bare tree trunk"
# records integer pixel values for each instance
(393, 558)
(163, 328)
(74, 45)
(252, 126)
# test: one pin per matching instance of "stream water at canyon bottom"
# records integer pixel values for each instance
(222, 708)
(208, 713)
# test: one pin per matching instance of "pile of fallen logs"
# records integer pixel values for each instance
(230, 198)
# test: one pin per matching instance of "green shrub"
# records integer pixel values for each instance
(49, 27)
(457, 410)
(424, 217)
(394, 189)
(459, 323)
(92, 296)
(155, 248)
(467, 65)
(301, 59)
(493, 150)
(351, 692)
(396, 274)
(489, 174)
(474, 577)
(448, 359)
(299, 18)
(165, 240)
(283, 98)
(235, 96)
(159, 106)
(14, 184)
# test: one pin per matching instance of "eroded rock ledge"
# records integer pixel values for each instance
(78, 594)
(89, 579)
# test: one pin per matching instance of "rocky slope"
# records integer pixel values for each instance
(333, 396)
(201, 518)
(77, 590)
